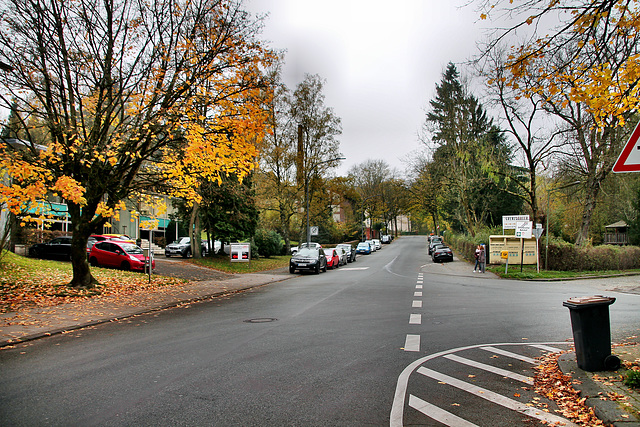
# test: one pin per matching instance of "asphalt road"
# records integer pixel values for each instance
(355, 346)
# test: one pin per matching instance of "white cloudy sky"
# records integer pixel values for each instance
(381, 61)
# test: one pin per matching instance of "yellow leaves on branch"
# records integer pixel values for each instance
(608, 91)
(70, 190)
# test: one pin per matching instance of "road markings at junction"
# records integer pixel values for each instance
(417, 294)
(453, 355)
(511, 355)
(418, 286)
(417, 304)
(489, 368)
(354, 268)
(494, 397)
(432, 411)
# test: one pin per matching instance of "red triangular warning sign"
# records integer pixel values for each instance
(629, 159)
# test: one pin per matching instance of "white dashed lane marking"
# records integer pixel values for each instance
(412, 343)
(415, 319)
(417, 304)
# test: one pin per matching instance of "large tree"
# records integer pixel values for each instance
(317, 130)
(467, 151)
(120, 86)
(585, 71)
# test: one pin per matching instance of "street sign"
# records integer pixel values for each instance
(509, 221)
(240, 252)
(537, 232)
(314, 230)
(629, 159)
(524, 229)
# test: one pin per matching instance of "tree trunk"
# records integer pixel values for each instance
(587, 213)
(195, 231)
(82, 277)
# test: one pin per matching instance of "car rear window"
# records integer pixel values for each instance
(308, 252)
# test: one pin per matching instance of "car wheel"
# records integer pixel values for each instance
(324, 269)
(34, 253)
(292, 270)
(317, 270)
(125, 266)
(167, 255)
(187, 253)
(94, 262)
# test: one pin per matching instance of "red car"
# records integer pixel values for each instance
(333, 258)
(118, 254)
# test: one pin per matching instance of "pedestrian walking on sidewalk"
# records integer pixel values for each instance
(482, 258)
(477, 266)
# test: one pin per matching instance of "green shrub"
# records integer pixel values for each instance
(632, 379)
(268, 242)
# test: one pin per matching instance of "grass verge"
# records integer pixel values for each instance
(28, 282)
(530, 272)
(222, 263)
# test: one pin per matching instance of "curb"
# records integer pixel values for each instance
(606, 410)
(59, 331)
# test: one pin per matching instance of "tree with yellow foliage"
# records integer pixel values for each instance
(134, 97)
(581, 60)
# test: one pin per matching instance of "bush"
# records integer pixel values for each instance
(569, 257)
(268, 242)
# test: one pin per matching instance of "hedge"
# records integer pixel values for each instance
(564, 256)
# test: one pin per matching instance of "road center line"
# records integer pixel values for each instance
(415, 319)
(417, 304)
(412, 343)
(417, 294)
(435, 413)
(511, 355)
(489, 368)
(418, 286)
(496, 398)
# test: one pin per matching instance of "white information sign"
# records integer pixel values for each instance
(240, 252)
(524, 229)
(314, 230)
(509, 221)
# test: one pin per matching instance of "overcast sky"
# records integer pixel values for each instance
(381, 61)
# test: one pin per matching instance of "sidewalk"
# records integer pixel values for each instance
(613, 402)
(37, 322)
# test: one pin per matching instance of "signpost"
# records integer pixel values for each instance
(537, 232)
(523, 231)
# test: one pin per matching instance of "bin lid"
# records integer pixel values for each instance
(583, 302)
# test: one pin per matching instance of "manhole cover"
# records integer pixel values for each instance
(261, 320)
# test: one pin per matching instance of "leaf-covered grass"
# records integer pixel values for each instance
(28, 282)
(255, 266)
(529, 272)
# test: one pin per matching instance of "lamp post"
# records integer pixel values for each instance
(306, 190)
(553, 190)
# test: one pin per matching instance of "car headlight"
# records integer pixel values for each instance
(132, 258)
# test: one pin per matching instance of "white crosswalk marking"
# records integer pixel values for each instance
(433, 412)
(489, 368)
(511, 355)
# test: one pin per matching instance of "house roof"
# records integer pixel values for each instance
(619, 224)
